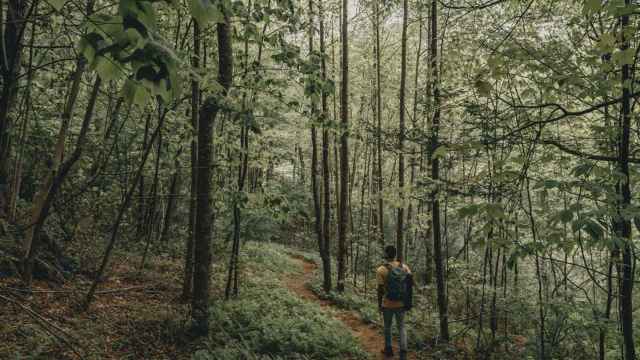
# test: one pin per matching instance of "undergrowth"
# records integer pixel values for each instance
(268, 321)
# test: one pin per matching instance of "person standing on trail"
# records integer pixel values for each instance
(395, 298)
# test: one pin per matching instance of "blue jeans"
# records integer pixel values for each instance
(388, 315)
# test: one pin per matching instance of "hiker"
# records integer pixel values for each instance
(395, 298)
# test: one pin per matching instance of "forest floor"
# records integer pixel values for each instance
(281, 313)
(137, 314)
(369, 335)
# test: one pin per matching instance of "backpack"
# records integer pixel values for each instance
(397, 283)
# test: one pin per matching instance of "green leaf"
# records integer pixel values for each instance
(204, 11)
(440, 152)
(606, 43)
(107, 69)
(87, 50)
(595, 231)
(134, 93)
(56, 4)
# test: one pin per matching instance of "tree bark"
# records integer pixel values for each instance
(204, 210)
(314, 151)
(171, 201)
(326, 171)
(10, 57)
(187, 283)
(626, 290)
(435, 176)
(380, 211)
(403, 84)
(344, 150)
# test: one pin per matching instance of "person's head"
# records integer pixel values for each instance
(390, 252)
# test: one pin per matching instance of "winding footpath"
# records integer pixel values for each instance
(369, 335)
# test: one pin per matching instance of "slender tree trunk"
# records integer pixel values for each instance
(10, 57)
(153, 194)
(16, 181)
(626, 290)
(414, 157)
(344, 150)
(317, 207)
(326, 171)
(187, 283)
(142, 205)
(403, 85)
(435, 176)
(171, 201)
(379, 124)
(539, 270)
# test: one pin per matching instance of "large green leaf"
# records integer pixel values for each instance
(205, 12)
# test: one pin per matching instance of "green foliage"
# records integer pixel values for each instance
(129, 45)
(270, 322)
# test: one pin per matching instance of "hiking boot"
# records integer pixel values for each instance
(388, 352)
(403, 355)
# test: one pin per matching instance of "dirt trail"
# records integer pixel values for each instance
(369, 335)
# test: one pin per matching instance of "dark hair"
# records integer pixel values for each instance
(390, 252)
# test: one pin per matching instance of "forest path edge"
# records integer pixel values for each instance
(368, 335)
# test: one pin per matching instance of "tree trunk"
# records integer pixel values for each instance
(379, 126)
(326, 171)
(314, 151)
(187, 283)
(204, 211)
(171, 201)
(626, 290)
(10, 57)
(435, 176)
(401, 136)
(344, 150)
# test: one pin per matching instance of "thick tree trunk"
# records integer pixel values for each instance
(204, 210)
